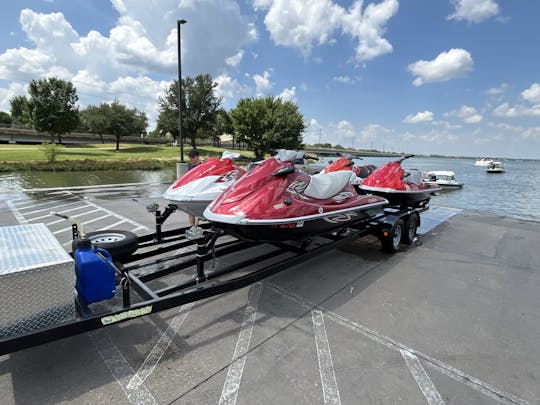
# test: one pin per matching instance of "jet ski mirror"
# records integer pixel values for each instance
(283, 171)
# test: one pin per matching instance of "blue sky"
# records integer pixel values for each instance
(451, 77)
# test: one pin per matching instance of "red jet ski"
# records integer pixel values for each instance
(398, 186)
(274, 201)
(197, 188)
(346, 163)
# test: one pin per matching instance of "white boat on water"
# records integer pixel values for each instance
(484, 162)
(444, 178)
(495, 167)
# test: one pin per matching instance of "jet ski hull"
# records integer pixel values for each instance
(297, 228)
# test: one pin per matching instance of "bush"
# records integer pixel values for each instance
(51, 150)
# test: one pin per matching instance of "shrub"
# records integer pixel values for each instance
(51, 151)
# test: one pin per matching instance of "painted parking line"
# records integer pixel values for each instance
(120, 368)
(24, 201)
(326, 365)
(151, 361)
(422, 379)
(50, 204)
(229, 393)
(82, 214)
(390, 343)
(16, 213)
(64, 212)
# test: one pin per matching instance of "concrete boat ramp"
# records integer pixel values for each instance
(452, 319)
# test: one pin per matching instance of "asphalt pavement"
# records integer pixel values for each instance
(451, 319)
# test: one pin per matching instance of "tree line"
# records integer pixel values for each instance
(261, 123)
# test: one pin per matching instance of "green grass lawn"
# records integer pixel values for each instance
(34, 153)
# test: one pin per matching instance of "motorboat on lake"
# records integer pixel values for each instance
(444, 178)
(483, 162)
(495, 167)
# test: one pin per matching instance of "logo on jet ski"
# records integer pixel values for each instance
(337, 219)
(297, 187)
(342, 196)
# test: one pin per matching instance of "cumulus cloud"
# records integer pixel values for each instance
(446, 66)
(424, 116)
(505, 110)
(304, 24)
(230, 88)
(288, 94)
(532, 94)
(474, 11)
(368, 27)
(262, 83)
(468, 114)
(496, 91)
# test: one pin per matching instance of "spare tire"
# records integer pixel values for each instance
(120, 244)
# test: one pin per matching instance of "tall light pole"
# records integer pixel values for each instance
(178, 24)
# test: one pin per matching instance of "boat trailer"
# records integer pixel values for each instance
(187, 267)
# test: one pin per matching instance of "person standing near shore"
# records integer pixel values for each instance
(194, 160)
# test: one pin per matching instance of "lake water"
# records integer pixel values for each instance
(515, 193)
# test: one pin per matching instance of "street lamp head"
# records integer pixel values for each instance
(182, 21)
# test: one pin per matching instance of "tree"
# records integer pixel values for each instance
(199, 107)
(53, 106)
(95, 119)
(20, 111)
(268, 123)
(5, 118)
(124, 121)
(222, 125)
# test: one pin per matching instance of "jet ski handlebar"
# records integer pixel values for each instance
(404, 157)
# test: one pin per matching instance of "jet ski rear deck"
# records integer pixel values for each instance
(168, 270)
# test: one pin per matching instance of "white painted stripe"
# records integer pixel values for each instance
(42, 203)
(438, 365)
(61, 212)
(18, 216)
(120, 368)
(139, 228)
(83, 223)
(326, 365)
(229, 393)
(72, 216)
(53, 206)
(422, 379)
(113, 225)
(159, 349)
(136, 224)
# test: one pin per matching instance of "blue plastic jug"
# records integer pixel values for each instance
(95, 273)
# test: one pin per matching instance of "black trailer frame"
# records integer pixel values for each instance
(153, 261)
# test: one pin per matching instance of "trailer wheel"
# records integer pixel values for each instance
(120, 244)
(391, 239)
(411, 227)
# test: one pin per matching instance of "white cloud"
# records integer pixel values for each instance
(262, 83)
(14, 89)
(467, 114)
(532, 94)
(301, 24)
(369, 26)
(229, 88)
(344, 79)
(235, 59)
(424, 116)
(505, 110)
(531, 133)
(304, 24)
(446, 66)
(288, 94)
(496, 91)
(474, 11)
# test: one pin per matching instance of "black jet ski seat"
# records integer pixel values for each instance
(326, 185)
